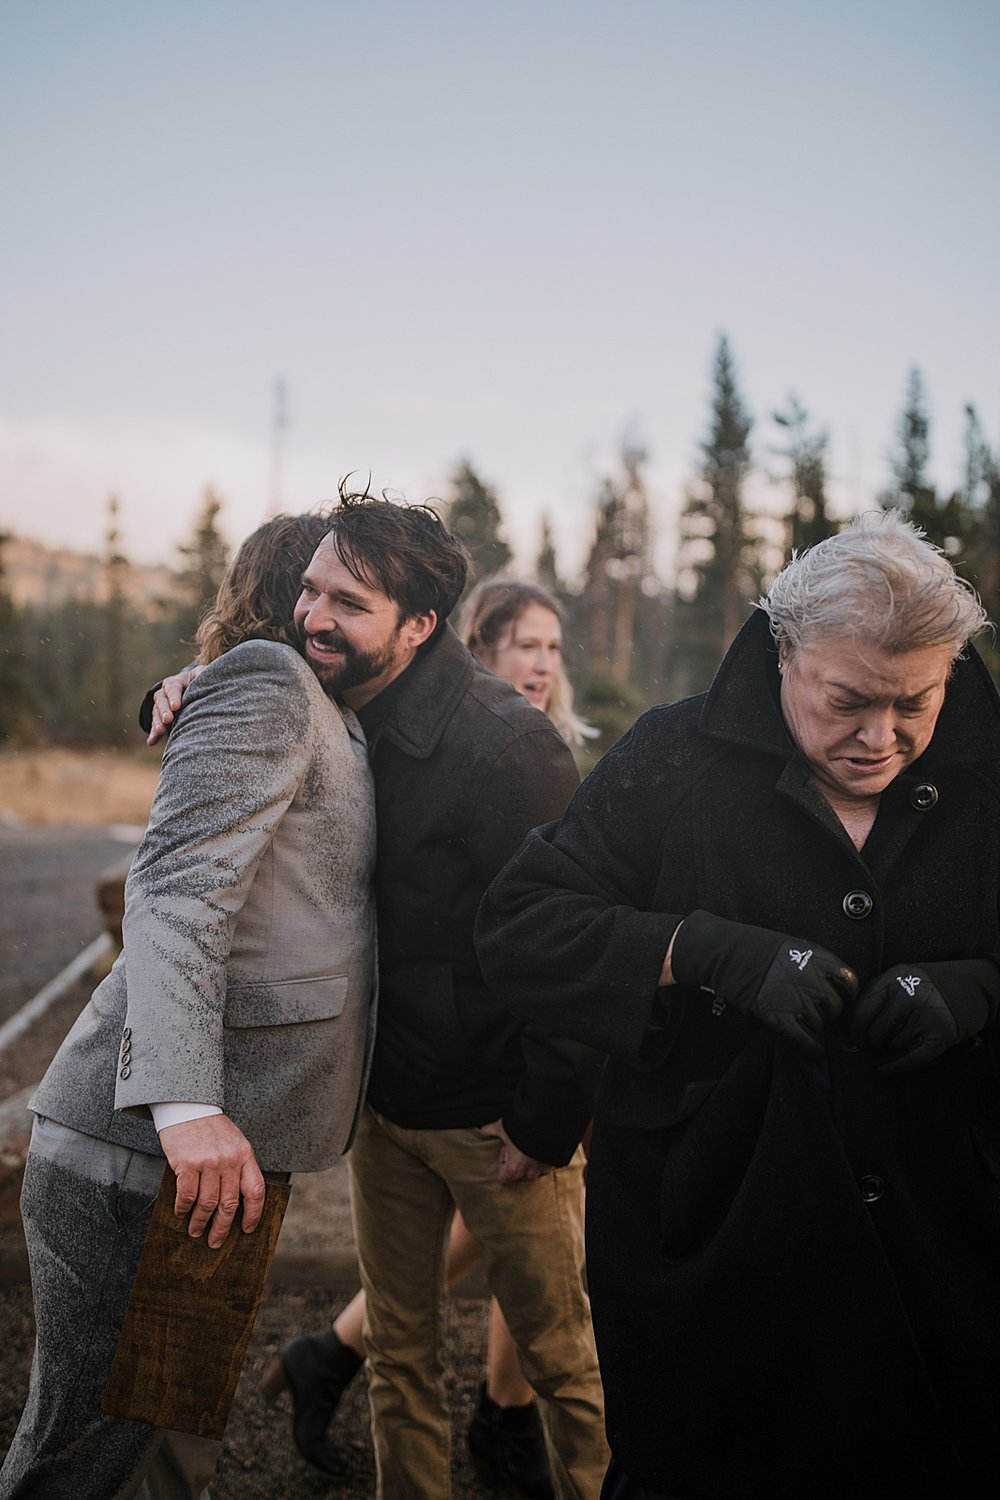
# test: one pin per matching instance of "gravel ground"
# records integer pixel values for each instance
(259, 1460)
(313, 1276)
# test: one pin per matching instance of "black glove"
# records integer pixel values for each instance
(792, 986)
(914, 1013)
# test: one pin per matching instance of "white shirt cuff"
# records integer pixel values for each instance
(177, 1114)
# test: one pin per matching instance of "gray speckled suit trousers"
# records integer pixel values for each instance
(86, 1206)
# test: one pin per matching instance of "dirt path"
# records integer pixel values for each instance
(259, 1460)
(65, 816)
(48, 913)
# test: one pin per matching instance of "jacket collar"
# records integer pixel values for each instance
(422, 699)
(742, 705)
(352, 724)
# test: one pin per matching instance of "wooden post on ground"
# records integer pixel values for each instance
(189, 1320)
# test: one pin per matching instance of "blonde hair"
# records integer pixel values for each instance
(494, 608)
(879, 581)
(256, 598)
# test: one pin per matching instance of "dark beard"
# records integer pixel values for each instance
(354, 667)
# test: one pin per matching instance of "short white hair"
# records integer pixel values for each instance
(879, 581)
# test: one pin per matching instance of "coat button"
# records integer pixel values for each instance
(126, 1072)
(872, 1188)
(126, 1033)
(924, 797)
(857, 904)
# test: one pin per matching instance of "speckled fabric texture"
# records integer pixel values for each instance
(247, 976)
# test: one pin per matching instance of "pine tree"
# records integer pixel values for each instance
(619, 618)
(911, 491)
(991, 518)
(942, 519)
(978, 462)
(807, 522)
(597, 578)
(618, 564)
(203, 563)
(633, 558)
(981, 502)
(546, 564)
(718, 558)
(474, 516)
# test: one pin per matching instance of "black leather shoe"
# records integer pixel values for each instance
(317, 1369)
(507, 1447)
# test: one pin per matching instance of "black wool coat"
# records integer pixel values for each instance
(794, 1266)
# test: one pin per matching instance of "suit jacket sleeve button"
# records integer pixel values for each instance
(126, 1072)
(872, 1187)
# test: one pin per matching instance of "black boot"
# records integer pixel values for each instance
(507, 1446)
(317, 1369)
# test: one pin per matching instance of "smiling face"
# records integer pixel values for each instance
(529, 653)
(352, 634)
(858, 715)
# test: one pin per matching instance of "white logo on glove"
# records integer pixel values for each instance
(800, 956)
(909, 983)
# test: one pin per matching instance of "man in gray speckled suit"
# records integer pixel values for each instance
(233, 1035)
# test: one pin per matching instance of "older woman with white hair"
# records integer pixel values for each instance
(775, 906)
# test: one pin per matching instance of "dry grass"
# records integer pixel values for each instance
(75, 786)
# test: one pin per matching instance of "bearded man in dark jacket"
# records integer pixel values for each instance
(776, 907)
(468, 1105)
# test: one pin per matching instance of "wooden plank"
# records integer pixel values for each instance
(189, 1319)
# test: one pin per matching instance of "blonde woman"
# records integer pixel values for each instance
(515, 629)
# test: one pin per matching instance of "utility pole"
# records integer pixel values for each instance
(279, 422)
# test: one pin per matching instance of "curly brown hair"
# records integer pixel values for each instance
(257, 596)
(405, 551)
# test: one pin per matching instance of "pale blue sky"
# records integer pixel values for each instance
(504, 230)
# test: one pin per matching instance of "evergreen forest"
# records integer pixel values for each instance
(75, 672)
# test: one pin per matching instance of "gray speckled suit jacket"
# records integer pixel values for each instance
(248, 971)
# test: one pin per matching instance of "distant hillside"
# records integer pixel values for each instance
(42, 576)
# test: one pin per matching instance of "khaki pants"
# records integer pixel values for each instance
(404, 1186)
